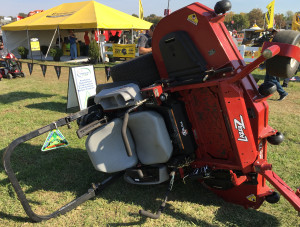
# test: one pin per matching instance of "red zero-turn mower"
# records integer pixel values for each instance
(11, 66)
(190, 109)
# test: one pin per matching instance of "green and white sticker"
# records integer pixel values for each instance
(54, 140)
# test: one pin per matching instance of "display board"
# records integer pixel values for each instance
(82, 85)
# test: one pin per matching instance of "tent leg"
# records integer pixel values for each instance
(100, 46)
(51, 43)
(58, 37)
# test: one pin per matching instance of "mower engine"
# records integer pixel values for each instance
(191, 109)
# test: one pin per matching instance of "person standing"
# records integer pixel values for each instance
(102, 42)
(145, 41)
(73, 47)
(116, 38)
(86, 42)
(275, 80)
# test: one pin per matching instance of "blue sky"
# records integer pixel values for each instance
(13, 7)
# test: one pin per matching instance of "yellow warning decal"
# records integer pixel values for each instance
(251, 198)
(193, 19)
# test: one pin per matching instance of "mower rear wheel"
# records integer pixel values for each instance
(281, 66)
(9, 76)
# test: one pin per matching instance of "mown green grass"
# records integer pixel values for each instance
(51, 179)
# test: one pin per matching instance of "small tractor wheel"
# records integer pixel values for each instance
(276, 139)
(9, 76)
(273, 198)
(23, 75)
(267, 88)
(281, 66)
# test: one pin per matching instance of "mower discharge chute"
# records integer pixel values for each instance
(191, 109)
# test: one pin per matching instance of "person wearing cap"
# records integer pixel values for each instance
(145, 41)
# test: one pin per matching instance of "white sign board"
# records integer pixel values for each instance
(82, 85)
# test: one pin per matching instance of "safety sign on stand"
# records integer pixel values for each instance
(34, 44)
(82, 85)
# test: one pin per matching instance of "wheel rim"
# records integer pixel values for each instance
(293, 60)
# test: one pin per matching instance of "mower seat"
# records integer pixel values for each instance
(151, 137)
(106, 148)
(148, 138)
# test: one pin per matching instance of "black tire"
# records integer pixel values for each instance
(9, 76)
(284, 67)
(276, 139)
(273, 198)
(23, 75)
(142, 70)
(267, 88)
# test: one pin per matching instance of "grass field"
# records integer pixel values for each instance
(51, 179)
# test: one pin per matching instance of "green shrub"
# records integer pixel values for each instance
(23, 52)
(94, 52)
(56, 53)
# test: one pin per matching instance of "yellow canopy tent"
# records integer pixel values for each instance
(77, 16)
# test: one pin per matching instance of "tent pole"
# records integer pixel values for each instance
(58, 36)
(50, 43)
(29, 47)
(100, 45)
(132, 36)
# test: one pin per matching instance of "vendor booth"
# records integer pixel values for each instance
(52, 26)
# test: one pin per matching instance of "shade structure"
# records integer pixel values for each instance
(79, 15)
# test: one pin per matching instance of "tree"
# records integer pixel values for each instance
(279, 21)
(240, 21)
(256, 16)
(134, 15)
(153, 18)
(22, 15)
(289, 15)
(228, 18)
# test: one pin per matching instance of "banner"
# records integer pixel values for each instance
(34, 44)
(30, 67)
(82, 85)
(269, 17)
(57, 70)
(167, 12)
(44, 69)
(141, 11)
(296, 22)
(124, 50)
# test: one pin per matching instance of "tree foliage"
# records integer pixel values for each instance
(289, 15)
(153, 18)
(256, 16)
(22, 15)
(237, 21)
(280, 21)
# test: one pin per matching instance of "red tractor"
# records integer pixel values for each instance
(190, 109)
